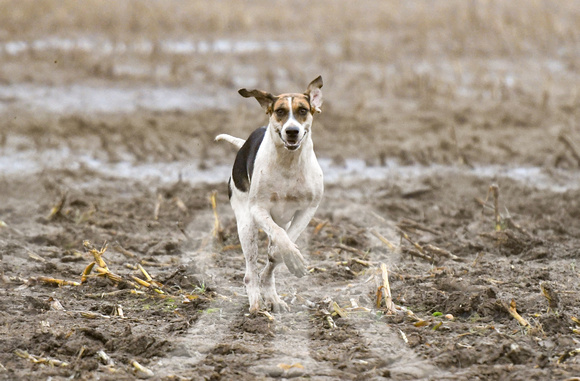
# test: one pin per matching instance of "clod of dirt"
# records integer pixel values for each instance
(165, 247)
(255, 323)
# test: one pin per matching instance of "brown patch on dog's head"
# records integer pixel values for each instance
(278, 105)
(299, 104)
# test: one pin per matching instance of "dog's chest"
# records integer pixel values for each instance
(290, 191)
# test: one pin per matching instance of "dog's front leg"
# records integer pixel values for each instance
(248, 233)
(300, 222)
(286, 248)
(268, 281)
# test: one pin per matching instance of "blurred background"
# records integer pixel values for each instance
(479, 81)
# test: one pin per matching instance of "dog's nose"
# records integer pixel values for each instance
(292, 133)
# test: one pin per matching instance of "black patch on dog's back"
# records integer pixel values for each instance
(244, 163)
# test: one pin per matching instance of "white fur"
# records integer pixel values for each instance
(231, 139)
(285, 191)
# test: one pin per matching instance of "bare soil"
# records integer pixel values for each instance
(425, 109)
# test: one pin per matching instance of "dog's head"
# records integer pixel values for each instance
(290, 114)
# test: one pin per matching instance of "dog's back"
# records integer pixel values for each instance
(244, 163)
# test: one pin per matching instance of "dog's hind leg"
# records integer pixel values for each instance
(248, 233)
(268, 282)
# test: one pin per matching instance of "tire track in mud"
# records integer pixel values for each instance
(360, 345)
(232, 344)
(226, 342)
(347, 352)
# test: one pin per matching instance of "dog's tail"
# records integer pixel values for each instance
(231, 139)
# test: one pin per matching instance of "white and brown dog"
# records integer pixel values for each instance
(277, 186)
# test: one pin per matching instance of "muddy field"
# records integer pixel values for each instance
(450, 143)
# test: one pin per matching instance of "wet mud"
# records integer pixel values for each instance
(453, 173)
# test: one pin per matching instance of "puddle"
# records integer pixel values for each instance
(30, 162)
(462, 75)
(103, 46)
(555, 180)
(87, 99)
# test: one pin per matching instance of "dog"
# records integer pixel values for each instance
(276, 185)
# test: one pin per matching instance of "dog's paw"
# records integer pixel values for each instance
(255, 307)
(253, 298)
(276, 305)
(295, 262)
(290, 254)
(272, 300)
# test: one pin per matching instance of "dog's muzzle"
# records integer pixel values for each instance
(292, 142)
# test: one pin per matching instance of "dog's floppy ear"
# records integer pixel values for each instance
(265, 99)
(315, 94)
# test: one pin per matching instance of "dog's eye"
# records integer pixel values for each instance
(302, 111)
(280, 112)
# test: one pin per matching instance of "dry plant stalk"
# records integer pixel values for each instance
(147, 276)
(442, 252)
(141, 371)
(339, 311)
(494, 190)
(386, 289)
(141, 281)
(518, 227)
(123, 251)
(383, 240)
(319, 227)
(231, 247)
(81, 352)
(570, 145)
(102, 269)
(180, 204)
(512, 311)
(118, 311)
(103, 295)
(153, 285)
(97, 254)
(55, 304)
(59, 282)
(567, 355)
(217, 229)
(93, 315)
(350, 249)
(550, 294)
(267, 314)
(36, 257)
(458, 154)
(158, 203)
(290, 366)
(87, 272)
(41, 360)
(404, 337)
(57, 209)
(406, 224)
(105, 358)
(331, 322)
(419, 252)
(106, 273)
(417, 246)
